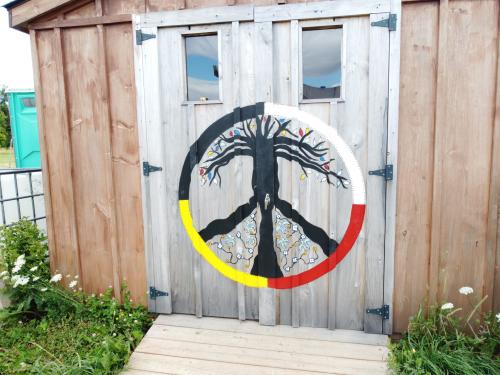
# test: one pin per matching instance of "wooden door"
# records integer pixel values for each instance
(277, 205)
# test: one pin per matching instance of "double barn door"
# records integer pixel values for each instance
(255, 55)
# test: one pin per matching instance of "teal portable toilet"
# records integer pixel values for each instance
(24, 125)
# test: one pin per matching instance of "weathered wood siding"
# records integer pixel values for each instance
(447, 220)
(86, 95)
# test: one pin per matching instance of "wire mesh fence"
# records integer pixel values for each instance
(21, 196)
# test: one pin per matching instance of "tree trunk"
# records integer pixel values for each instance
(265, 186)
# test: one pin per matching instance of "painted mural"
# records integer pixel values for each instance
(263, 242)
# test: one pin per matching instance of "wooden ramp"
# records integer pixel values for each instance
(184, 344)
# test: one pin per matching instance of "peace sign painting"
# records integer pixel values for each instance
(267, 233)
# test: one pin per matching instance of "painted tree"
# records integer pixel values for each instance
(266, 139)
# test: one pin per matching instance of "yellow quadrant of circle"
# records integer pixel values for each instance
(200, 246)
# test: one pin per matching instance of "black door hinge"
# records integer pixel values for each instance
(390, 22)
(153, 293)
(381, 311)
(386, 173)
(148, 168)
(141, 37)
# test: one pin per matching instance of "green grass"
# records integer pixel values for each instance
(7, 158)
(51, 329)
(442, 344)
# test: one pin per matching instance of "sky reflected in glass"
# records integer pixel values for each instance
(322, 63)
(202, 68)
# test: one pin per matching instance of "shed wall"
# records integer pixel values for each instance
(447, 211)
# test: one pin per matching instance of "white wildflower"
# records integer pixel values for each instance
(19, 263)
(498, 317)
(135, 321)
(447, 306)
(93, 335)
(19, 280)
(76, 277)
(36, 278)
(56, 278)
(465, 290)
(43, 289)
(114, 334)
(33, 269)
(73, 284)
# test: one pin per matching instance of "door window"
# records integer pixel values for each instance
(321, 63)
(202, 67)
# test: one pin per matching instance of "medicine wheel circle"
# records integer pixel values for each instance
(262, 132)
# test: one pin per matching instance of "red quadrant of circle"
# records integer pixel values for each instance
(351, 234)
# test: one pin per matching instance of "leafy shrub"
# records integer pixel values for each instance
(52, 330)
(442, 343)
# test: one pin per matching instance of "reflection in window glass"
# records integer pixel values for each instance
(321, 63)
(202, 67)
(29, 102)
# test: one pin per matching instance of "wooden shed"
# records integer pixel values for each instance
(148, 108)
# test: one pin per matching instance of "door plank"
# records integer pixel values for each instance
(263, 92)
(375, 185)
(158, 199)
(352, 128)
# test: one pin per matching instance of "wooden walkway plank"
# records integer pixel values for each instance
(262, 357)
(183, 344)
(273, 343)
(233, 325)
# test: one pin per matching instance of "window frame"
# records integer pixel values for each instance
(201, 32)
(319, 25)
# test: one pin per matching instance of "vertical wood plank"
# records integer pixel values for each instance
(353, 129)
(143, 155)
(294, 101)
(42, 125)
(59, 157)
(155, 125)
(463, 152)
(493, 234)
(247, 97)
(281, 94)
(415, 161)
(263, 46)
(192, 132)
(126, 159)
(108, 161)
(88, 120)
(235, 80)
(378, 73)
(336, 117)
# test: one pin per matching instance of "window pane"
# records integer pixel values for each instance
(202, 66)
(29, 102)
(321, 63)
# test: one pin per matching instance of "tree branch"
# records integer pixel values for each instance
(309, 164)
(316, 234)
(224, 226)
